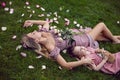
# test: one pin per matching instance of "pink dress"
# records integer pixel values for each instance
(109, 68)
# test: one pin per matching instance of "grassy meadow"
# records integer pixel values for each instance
(86, 13)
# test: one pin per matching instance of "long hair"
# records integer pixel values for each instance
(28, 42)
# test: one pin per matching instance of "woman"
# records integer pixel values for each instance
(103, 63)
(54, 44)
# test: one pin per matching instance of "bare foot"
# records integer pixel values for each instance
(117, 40)
(118, 37)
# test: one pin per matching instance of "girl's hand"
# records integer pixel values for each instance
(86, 60)
(27, 23)
(105, 58)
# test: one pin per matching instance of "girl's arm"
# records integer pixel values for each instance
(45, 24)
(98, 67)
(70, 65)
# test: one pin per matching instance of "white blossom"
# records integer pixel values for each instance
(10, 3)
(42, 9)
(118, 22)
(64, 51)
(27, 3)
(18, 47)
(14, 37)
(74, 22)
(78, 25)
(43, 67)
(33, 11)
(60, 67)
(6, 9)
(68, 10)
(3, 28)
(11, 11)
(23, 54)
(39, 57)
(37, 6)
(31, 67)
(56, 22)
(22, 14)
(28, 7)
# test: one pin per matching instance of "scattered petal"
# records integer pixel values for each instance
(23, 54)
(64, 51)
(55, 27)
(60, 8)
(11, 11)
(51, 27)
(41, 15)
(60, 67)
(22, 14)
(37, 6)
(19, 21)
(43, 67)
(81, 27)
(67, 21)
(78, 25)
(18, 47)
(74, 22)
(55, 18)
(118, 22)
(6, 9)
(48, 15)
(31, 67)
(42, 9)
(51, 20)
(59, 34)
(27, 3)
(55, 31)
(28, 7)
(39, 26)
(10, 3)
(68, 10)
(33, 11)
(3, 28)
(56, 22)
(59, 16)
(14, 37)
(30, 15)
(38, 57)
(55, 13)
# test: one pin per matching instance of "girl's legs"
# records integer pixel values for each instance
(101, 32)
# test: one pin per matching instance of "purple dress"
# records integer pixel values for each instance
(79, 40)
(109, 68)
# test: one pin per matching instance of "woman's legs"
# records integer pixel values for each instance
(101, 32)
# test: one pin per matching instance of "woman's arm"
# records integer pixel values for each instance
(70, 65)
(45, 24)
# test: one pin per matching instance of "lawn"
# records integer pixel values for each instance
(86, 13)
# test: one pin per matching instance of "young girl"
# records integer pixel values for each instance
(101, 59)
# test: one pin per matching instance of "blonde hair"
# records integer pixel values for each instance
(28, 42)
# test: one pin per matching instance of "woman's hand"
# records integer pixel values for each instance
(27, 23)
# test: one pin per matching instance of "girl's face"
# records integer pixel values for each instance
(35, 34)
(79, 50)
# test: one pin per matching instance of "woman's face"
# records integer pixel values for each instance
(35, 34)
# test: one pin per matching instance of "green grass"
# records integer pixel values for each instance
(86, 12)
